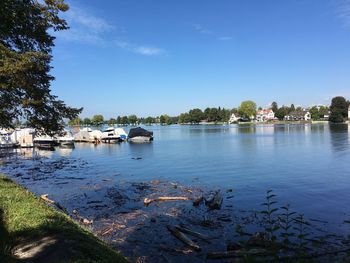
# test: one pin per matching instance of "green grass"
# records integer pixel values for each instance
(24, 216)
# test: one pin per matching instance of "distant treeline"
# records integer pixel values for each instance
(337, 112)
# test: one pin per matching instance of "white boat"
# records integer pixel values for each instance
(109, 135)
(88, 135)
(44, 141)
(123, 136)
(66, 139)
(24, 137)
(5, 140)
(140, 135)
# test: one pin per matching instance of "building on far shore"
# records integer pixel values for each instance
(303, 115)
(349, 112)
(233, 118)
(265, 115)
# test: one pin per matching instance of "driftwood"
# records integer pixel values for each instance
(186, 230)
(48, 200)
(198, 201)
(81, 219)
(183, 238)
(147, 201)
(214, 200)
(236, 253)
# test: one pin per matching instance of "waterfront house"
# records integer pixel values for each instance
(349, 112)
(265, 115)
(234, 118)
(303, 115)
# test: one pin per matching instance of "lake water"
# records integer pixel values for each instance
(307, 166)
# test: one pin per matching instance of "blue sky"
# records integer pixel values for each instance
(151, 57)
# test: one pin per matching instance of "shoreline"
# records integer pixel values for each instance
(32, 230)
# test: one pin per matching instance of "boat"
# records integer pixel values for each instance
(5, 140)
(140, 135)
(109, 135)
(24, 137)
(122, 134)
(88, 135)
(66, 138)
(44, 141)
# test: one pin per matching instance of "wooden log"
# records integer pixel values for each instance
(236, 253)
(214, 200)
(198, 201)
(183, 238)
(147, 201)
(186, 230)
(46, 199)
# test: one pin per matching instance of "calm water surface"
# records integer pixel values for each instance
(307, 166)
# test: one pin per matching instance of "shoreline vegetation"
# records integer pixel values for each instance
(30, 230)
(247, 112)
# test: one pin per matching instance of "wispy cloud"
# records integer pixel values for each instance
(202, 30)
(343, 11)
(142, 50)
(86, 28)
(199, 28)
(225, 38)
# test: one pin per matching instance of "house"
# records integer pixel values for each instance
(265, 115)
(303, 115)
(233, 118)
(349, 112)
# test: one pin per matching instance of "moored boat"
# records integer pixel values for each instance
(44, 141)
(66, 138)
(109, 135)
(24, 137)
(140, 135)
(5, 140)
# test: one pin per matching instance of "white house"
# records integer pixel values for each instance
(233, 118)
(298, 116)
(265, 115)
(349, 112)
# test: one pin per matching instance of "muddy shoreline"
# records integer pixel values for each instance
(114, 210)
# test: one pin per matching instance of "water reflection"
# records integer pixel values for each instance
(339, 137)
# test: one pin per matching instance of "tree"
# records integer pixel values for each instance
(149, 120)
(184, 118)
(196, 115)
(339, 110)
(315, 114)
(112, 121)
(25, 57)
(164, 119)
(75, 122)
(124, 120)
(132, 119)
(274, 106)
(119, 119)
(97, 120)
(281, 113)
(247, 109)
(292, 108)
(87, 121)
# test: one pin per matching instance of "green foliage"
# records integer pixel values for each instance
(274, 106)
(112, 121)
(271, 220)
(315, 114)
(23, 216)
(165, 119)
(339, 110)
(247, 109)
(149, 120)
(87, 121)
(196, 115)
(124, 120)
(132, 119)
(25, 57)
(281, 113)
(75, 122)
(97, 120)
(291, 109)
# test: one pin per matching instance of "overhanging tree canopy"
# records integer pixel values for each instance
(25, 56)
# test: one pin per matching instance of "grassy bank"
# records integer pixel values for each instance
(26, 221)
